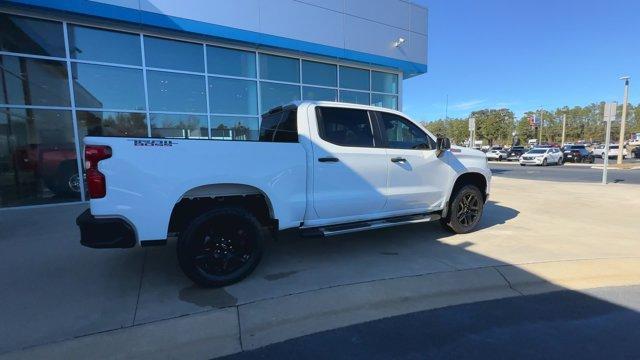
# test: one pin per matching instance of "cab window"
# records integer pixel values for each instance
(345, 127)
(279, 125)
(400, 133)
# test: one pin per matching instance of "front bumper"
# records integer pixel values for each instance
(105, 233)
(531, 162)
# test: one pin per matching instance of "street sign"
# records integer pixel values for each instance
(610, 110)
(608, 116)
(472, 124)
(534, 120)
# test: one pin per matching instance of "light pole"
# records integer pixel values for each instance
(624, 118)
(564, 126)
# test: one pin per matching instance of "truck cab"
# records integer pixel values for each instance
(322, 168)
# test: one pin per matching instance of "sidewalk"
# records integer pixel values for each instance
(65, 301)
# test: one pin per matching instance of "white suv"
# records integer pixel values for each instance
(542, 157)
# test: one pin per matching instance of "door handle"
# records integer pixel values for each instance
(328, 159)
(398, 159)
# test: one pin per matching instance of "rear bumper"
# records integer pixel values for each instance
(105, 233)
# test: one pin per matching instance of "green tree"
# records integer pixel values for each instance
(494, 125)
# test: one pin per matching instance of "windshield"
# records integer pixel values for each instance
(537, 151)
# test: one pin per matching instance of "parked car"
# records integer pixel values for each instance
(322, 168)
(598, 150)
(578, 154)
(55, 164)
(497, 155)
(613, 152)
(515, 152)
(636, 152)
(542, 157)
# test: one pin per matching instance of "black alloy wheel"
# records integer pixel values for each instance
(468, 209)
(465, 210)
(221, 247)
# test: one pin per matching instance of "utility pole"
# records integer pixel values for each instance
(564, 126)
(446, 109)
(624, 118)
(540, 128)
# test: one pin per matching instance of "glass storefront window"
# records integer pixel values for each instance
(273, 94)
(354, 78)
(234, 128)
(173, 54)
(317, 93)
(316, 73)
(176, 92)
(384, 82)
(279, 68)
(25, 81)
(231, 62)
(38, 158)
(108, 123)
(355, 97)
(108, 87)
(25, 35)
(233, 96)
(183, 126)
(387, 101)
(86, 43)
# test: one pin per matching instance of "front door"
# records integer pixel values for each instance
(417, 178)
(350, 173)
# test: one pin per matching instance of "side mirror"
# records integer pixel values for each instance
(442, 144)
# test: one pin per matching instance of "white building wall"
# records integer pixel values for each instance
(368, 26)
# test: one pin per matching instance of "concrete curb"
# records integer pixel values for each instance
(517, 163)
(613, 167)
(199, 336)
(248, 326)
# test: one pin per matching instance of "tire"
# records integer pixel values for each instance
(453, 222)
(522, 165)
(66, 181)
(499, 158)
(221, 247)
(544, 162)
(560, 161)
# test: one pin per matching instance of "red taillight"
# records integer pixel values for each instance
(96, 182)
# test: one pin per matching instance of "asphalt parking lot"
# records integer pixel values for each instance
(61, 299)
(567, 173)
(593, 324)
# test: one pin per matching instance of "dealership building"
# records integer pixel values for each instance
(195, 69)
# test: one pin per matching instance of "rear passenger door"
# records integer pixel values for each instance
(349, 172)
(417, 177)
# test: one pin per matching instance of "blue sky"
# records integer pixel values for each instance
(525, 54)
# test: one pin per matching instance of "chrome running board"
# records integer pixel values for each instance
(340, 229)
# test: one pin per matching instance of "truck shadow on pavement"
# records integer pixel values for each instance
(291, 255)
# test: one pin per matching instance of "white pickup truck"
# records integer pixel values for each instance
(323, 168)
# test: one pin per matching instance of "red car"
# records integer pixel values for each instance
(55, 164)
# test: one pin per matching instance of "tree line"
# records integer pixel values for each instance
(496, 126)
